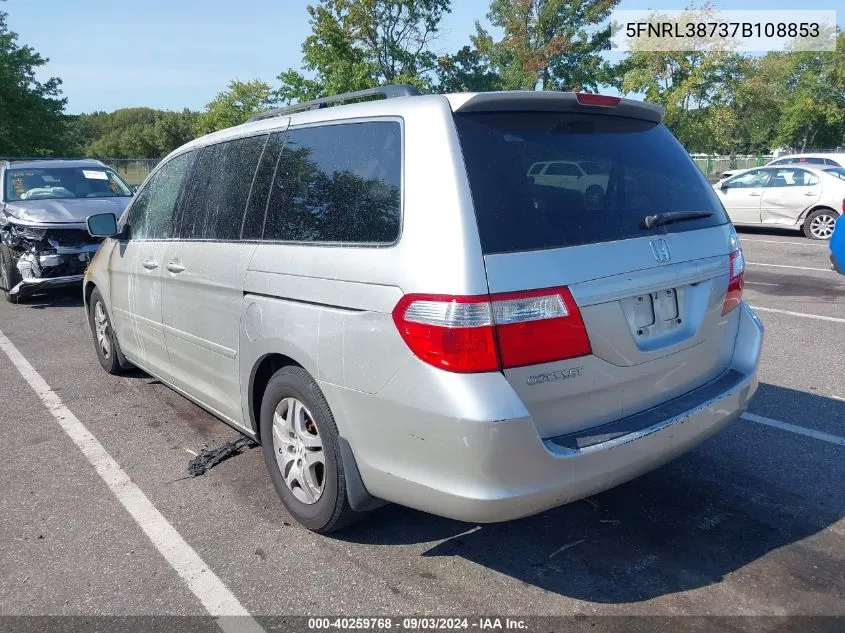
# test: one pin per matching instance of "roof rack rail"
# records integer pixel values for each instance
(391, 91)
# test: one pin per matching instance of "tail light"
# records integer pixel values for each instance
(843, 206)
(590, 99)
(491, 332)
(737, 269)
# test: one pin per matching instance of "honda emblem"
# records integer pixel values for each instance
(661, 250)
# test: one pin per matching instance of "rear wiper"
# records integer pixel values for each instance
(650, 221)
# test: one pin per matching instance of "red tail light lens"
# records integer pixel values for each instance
(734, 294)
(488, 333)
(604, 101)
(538, 327)
(452, 333)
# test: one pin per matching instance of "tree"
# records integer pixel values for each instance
(130, 133)
(358, 44)
(548, 44)
(235, 105)
(173, 129)
(468, 70)
(31, 112)
(811, 96)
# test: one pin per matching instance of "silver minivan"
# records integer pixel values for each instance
(380, 295)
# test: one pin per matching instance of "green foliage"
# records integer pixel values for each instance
(31, 120)
(358, 44)
(812, 102)
(721, 102)
(468, 70)
(130, 133)
(548, 44)
(235, 105)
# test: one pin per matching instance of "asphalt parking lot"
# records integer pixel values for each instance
(750, 523)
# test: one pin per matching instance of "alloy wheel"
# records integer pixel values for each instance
(822, 225)
(299, 450)
(101, 327)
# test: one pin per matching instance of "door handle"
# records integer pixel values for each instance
(175, 267)
(810, 193)
(150, 264)
(755, 195)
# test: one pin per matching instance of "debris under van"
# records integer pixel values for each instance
(210, 457)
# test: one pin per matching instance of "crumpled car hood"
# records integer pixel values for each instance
(73, 210)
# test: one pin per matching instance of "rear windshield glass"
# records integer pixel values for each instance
(609, 174)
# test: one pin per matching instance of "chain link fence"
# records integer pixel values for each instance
(713, 166)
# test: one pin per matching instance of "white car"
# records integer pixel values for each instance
(588, 177)
(823, 160)
(801, 197)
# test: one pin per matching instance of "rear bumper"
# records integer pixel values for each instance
(32, 285)
(491, 465)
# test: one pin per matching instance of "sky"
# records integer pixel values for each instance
(174, 54)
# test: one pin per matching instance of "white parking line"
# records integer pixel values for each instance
(794, 428)
(807, 243)
(204, 583)
(803, 315)
(824, 270)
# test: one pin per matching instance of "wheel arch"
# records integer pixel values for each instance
(819, 207)
(262, 370)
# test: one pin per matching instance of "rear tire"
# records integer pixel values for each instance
(299, 440)
(105, 342)
(819, 224)
(10, 276)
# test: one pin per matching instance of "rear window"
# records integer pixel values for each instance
(633, 169)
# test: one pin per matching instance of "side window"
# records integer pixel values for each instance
(562, 169)
(256, 207)
(793, 178)
(152, 211)
(214, 208)
(831, 162)
(754, 178)
(338, 183)
(536, 168)
(814, 161)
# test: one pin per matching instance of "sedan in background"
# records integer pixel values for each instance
(804, 198)
(823, 160)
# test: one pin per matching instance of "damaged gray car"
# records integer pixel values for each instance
(44, 242)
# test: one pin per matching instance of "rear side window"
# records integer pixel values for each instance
(152, 211)
(214, 209)
(637, 168)
(338, 183)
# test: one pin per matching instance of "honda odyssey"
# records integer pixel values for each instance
(381, 295)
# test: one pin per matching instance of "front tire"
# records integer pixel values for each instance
(105, 342)
(819, 224)
(10, 276)
(299, 441)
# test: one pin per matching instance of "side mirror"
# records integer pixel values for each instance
(134, 189)
(102, 225)
(724, 186)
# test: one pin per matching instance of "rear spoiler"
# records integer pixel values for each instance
(549, 101)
